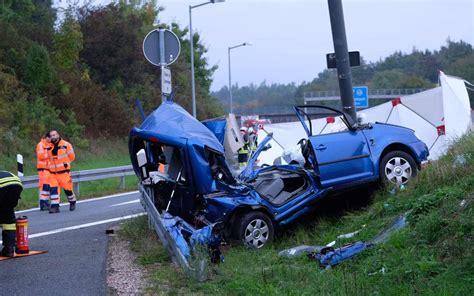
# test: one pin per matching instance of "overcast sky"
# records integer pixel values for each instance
(291, 37)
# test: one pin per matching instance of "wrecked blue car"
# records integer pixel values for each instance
(183, 164)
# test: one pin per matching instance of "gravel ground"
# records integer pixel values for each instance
(124, 276)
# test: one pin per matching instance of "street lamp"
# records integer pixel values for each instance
(230, 75)
(193, 86)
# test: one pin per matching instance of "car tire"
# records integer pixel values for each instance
(254, 229)
(397, 167)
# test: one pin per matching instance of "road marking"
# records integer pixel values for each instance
(125, 203)
(83, 225)
(84, 201)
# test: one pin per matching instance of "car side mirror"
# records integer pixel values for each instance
(267, 147)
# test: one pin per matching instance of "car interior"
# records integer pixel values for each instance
(279, 186)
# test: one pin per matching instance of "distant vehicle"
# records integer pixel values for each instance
(187, 172)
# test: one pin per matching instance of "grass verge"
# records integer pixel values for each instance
(433, 255)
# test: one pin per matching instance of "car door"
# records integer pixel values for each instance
(342, 157)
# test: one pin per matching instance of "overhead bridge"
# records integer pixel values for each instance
(374, 94)
(285, 113)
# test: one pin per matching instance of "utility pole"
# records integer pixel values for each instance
(344, 75)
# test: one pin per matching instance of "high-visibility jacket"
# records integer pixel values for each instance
(9, 179)
(42, 154)
(60, 156)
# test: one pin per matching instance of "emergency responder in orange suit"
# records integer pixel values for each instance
(10, 190)
(60, 156)
(42, 165)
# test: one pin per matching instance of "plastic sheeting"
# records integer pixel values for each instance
(439, 116)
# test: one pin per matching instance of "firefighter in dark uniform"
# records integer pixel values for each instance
(243, 152)
(10, 190)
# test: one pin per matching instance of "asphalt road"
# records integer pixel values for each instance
(77, 249)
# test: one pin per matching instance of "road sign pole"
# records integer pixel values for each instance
(161, 48)
(162, 61)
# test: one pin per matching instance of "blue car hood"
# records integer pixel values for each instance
(172, 125)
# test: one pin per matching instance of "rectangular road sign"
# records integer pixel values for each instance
(361, 96)
(166, 81)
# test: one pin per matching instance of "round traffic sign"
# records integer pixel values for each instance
(152, 47)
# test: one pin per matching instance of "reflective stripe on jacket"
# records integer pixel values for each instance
(8, 179)
(42, 154)
(60, 157)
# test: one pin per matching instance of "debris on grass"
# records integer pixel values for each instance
(329, 256)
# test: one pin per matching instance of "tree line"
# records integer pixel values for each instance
(418, 69)
(80, 69)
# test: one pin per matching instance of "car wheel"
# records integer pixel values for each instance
(255, 229)
(397, 167)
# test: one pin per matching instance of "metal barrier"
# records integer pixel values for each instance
(154, 219)
(88, 175)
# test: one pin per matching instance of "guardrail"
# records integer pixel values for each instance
(88, 175)
(154, 219)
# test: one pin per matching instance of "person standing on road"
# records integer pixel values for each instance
(60, 157)
(42, 165)
(10, 191)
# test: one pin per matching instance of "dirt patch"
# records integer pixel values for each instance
(124, 275)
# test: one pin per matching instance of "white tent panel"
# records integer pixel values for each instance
(428, 104)
(439, 148)
(457, 117)
(378, 113)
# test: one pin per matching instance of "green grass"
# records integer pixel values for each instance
(100, 154)
(433, 255)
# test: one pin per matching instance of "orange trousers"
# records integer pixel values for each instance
(43, 185)
(58, 181)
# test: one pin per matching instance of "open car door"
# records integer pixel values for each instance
(341, 157)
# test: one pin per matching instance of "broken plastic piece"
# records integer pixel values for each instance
(350, 234)
(399, 223)
(296, 251)
(331, 257)
(460, 160)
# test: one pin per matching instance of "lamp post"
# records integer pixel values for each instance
(230, 75)
(193, 86)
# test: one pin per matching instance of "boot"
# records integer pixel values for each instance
(72, 205)
(44, 205)
(8, 251)
(9, 241)
(54, 209)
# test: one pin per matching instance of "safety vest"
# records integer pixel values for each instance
(42, 154)
(9, 179)
(60, 157)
